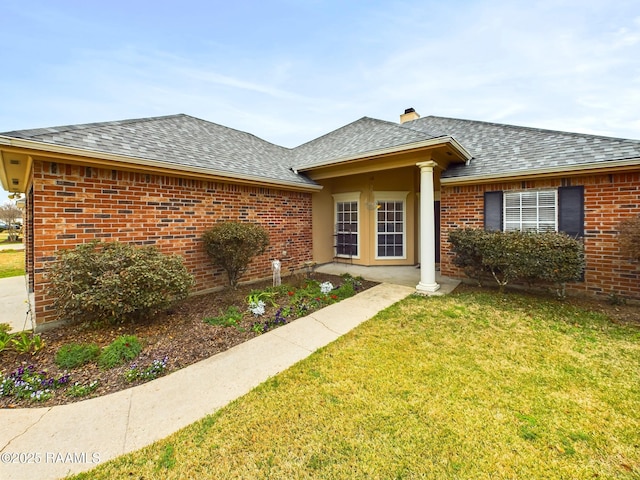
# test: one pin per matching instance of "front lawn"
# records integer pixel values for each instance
(472, 385)
(11, 263)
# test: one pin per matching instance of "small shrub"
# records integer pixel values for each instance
(27, 342)
(122, 350)
(231, 318)
(467, 244)
(356, 282)
(629, 238)
(75, 355)
(345, 290)
(232, 246)
(115, 281)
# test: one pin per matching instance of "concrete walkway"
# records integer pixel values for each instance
(14, 305)
(11, 246)
(49, 443)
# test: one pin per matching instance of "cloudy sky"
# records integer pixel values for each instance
(291, 70)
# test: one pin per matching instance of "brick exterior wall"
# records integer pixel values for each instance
(77, 204)
(608, 199)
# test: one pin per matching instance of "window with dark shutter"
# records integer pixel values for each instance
(536, 210)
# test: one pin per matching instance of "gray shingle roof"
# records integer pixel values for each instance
(185, 141)
(357, 138)
(178, 140)
(500, 149)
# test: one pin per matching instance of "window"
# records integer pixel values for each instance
(530, 211)
(390, 224)
(347, 238)
(536, 210)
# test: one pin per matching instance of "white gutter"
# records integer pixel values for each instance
(432, 142)
(139, 161)
(567, 170)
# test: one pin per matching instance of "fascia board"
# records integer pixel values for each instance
(626, 164)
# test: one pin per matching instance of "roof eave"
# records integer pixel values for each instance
(432, 142)
(138, 162)
(572, 170)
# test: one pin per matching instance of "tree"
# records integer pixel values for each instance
(232, 246)
(9, 214)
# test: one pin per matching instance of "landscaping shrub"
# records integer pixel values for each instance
(629, 238)
(467, 245)
(120, 351)
(232, 246)
(114, 281)
(509, 256)
(75, 355)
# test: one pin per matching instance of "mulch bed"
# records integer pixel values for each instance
(179, 334)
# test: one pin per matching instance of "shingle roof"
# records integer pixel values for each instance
(500, 149)
(185, 141)
(355, 139)
(178, 140)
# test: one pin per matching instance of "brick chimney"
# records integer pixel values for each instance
(408, 115)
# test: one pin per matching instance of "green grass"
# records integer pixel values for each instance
(11, 263)
(478, 386)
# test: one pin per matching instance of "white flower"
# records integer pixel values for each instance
(257, 308)
(326, 287)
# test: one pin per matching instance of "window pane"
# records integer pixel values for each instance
(530, 211)
(346, 239)
(390, 229)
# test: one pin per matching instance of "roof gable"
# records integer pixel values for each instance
(358, 138)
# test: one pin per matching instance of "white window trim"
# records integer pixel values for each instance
(343, 198)
(392, 197)
(537, 191)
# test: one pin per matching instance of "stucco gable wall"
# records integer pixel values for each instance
(76, 204)
(608, 199)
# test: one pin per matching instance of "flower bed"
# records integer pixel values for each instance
(196, 329)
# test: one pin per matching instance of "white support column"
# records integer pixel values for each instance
(427, 230)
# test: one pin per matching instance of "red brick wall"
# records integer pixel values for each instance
(76, 204)
(608, 200)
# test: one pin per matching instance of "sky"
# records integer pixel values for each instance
(289, 71)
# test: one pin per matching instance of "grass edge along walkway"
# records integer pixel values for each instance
(477, 386)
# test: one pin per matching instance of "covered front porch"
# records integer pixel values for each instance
(399, 275)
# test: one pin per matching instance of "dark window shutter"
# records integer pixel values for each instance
(493, 210)
(571, 210)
